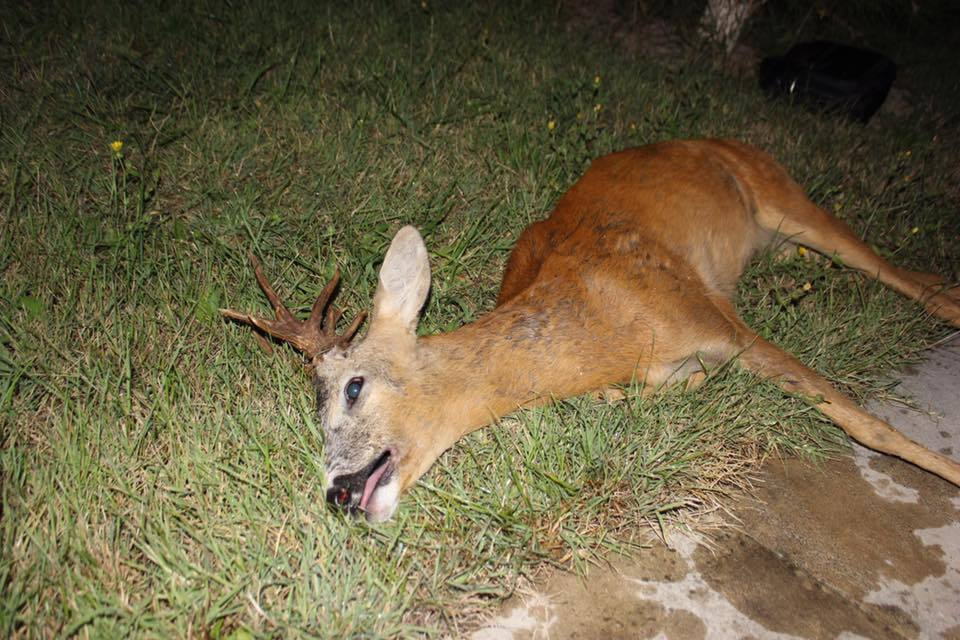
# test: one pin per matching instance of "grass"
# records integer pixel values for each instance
(162, 477)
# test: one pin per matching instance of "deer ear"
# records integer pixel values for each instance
(404, 283)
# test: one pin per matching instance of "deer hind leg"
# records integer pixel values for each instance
(769, 361)
(802, 222)
(524, 261)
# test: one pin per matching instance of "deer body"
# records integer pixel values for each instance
(630, 277)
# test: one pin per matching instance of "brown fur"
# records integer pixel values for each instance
(631, 276)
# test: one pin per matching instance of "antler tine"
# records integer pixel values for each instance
(352, 329)
(316, 312)
(279, 308)
(333, 316)
(313, 336)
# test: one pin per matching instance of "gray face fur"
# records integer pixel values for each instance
(355, 433)
(380, 419)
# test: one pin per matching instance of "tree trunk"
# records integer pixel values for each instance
(723, 20)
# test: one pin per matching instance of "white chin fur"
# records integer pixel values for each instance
(383, 502)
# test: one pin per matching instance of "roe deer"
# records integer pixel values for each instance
(630, 277)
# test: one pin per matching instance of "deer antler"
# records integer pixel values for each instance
(315, 335)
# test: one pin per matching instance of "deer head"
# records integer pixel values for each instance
(370, 395)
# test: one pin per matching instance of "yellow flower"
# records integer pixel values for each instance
(802, 251)
(915, 230)
(596, 80)
(117, 146)
(807, 286)
(552, 125)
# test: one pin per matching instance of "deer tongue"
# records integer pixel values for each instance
(372, 481)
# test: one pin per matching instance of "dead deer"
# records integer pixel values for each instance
(630, 278)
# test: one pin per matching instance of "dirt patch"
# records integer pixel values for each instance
(780, 596)
(603, 604)
(817, 554)
(860, 538)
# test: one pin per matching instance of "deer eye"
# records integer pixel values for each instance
(352, 390)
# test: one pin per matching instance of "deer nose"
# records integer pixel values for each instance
(347, 490)
(339, 496)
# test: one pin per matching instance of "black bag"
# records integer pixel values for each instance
(827, 76)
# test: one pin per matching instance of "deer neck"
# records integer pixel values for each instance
(514, 356)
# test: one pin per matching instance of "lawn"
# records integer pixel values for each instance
(162, 476)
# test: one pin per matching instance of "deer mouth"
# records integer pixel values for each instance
(381, 471)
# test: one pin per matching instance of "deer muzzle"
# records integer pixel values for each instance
(372, 490)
